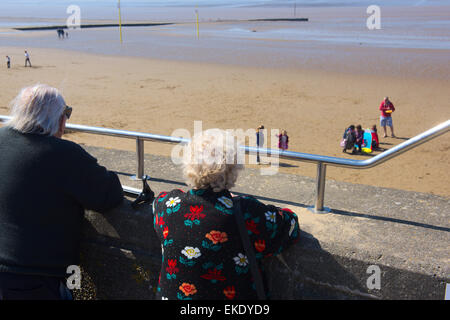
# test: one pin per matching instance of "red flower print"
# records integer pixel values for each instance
(251, 226)
(229, 292)
(165, 232)
(188, 288)
(159, 220)
(162, 195)
(196, 213)
(214, 274)
(260, 245)
(172, 266)
(217, 236)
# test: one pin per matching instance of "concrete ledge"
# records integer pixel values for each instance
(331, 268)
(405, 234)
(120, 255)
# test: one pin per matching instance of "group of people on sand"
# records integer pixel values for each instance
(61, 33)
(353, 138)
(27, 60)
(203, 231)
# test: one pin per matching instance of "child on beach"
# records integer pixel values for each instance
(359, 138)
(348, 139)
(283, 140)
(8, 62)
(375, 141)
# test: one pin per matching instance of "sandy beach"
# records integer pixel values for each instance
(312, 79)
(160, 96)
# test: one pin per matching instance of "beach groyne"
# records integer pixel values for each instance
(375, 243)
(147, 24)
(90, 26)
(282, 19)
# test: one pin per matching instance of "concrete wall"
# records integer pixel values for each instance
(406, 234)
(121, 260)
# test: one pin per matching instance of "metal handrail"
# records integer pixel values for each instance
(321, 161)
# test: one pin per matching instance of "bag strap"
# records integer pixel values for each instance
(257, 278)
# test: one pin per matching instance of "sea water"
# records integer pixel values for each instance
(336, 31)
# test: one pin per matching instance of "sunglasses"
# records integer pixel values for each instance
(68, 112)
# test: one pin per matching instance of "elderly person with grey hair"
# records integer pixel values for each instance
(45, 185)
(204, 256)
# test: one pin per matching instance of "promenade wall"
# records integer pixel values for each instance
(404, 235)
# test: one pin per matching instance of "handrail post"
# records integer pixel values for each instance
(320, 188)
(140, 159)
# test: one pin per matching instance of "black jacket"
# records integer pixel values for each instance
(45, 185)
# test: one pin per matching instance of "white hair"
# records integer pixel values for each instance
(210, 160)
(37, 109)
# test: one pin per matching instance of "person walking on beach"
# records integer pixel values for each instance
(46, 184)
(27, 59)
(283, 140)
(259, 141)
(60, 33)
(386, 108)
(8, 62)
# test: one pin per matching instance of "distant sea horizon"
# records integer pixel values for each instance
(413, 24)
(26, 13)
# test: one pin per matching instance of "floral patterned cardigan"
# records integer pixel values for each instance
(202, 253)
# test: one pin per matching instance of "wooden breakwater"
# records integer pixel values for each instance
(87, 26)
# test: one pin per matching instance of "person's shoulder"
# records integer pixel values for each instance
(250, 201)
(5, 133)
(4, 130)
(69, 150)
(66, 144)
(173, 194)
(169, 198)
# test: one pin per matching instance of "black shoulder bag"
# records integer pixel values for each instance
(257, 278)
(146, 196)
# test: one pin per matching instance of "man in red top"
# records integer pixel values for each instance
(386, 108)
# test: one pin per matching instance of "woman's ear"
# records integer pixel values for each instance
(62, 126)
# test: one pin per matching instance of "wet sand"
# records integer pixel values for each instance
(313, 105)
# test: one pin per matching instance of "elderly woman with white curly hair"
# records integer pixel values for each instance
(46, 183)
(203, 253)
